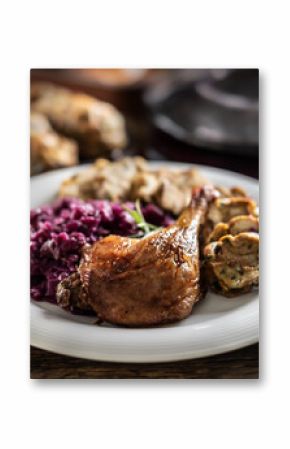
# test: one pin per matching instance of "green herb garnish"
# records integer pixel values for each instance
(141, 223)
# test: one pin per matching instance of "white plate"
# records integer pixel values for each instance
(216, 325)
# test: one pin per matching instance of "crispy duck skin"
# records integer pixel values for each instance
(145, 282)
(97, 126)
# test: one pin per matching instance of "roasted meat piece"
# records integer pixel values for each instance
(97, 126)
(145, 282)
(130, 179)
(48, 149)
(104, 180)
(170, 189)
(73, 295)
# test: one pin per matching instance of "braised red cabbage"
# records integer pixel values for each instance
(59, 231)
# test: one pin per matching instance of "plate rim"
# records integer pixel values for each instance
(250, 337)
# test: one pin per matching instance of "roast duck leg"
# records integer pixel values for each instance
(142, 282)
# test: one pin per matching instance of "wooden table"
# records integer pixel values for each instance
(153, 144)
(241, 364)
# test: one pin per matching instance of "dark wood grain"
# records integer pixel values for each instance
(240, 364)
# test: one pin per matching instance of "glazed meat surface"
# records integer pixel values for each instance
(145, 282)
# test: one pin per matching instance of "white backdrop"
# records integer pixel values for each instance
(142, 414)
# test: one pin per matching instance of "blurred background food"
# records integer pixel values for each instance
(203, 116)
(48, 149)
(95, 127)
